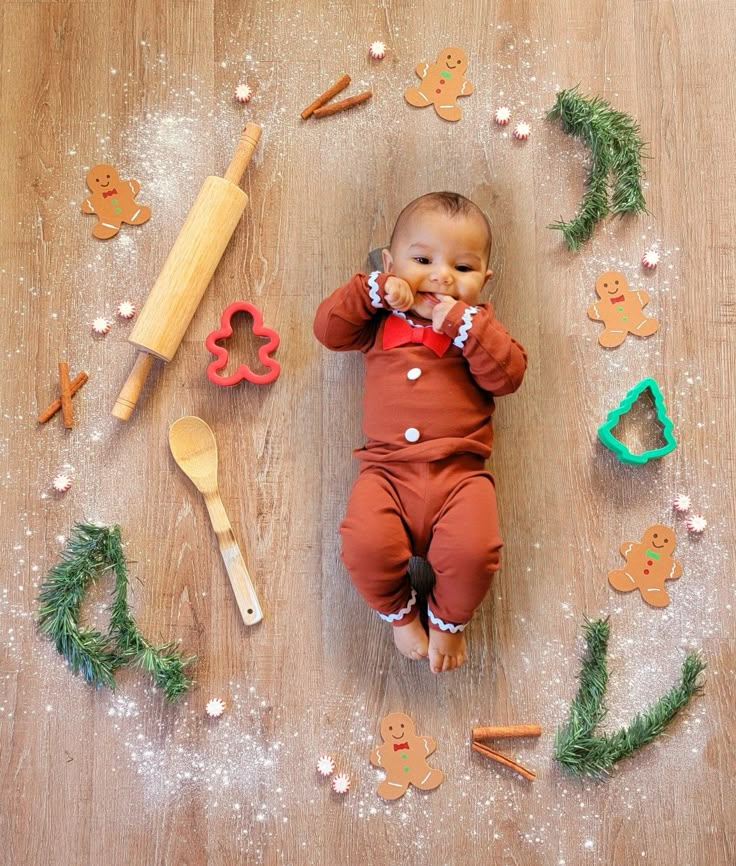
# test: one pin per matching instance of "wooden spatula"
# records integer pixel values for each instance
(195, 450)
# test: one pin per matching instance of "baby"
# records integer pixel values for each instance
(435, 358)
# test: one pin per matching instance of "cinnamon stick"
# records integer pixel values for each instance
(504, 760)
(494, 732)
(334, 107)
(76, 384)
(339, 85)
(65, 386)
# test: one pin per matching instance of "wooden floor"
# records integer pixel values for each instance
(123, 778)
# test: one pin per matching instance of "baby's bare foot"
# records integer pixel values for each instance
(446, 650)
(411, 639)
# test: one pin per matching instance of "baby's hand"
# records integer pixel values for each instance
(439, 313)
(399, 295)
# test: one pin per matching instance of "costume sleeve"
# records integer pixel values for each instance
(346, 320)
(496, 360)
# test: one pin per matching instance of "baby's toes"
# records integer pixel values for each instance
(436, 661)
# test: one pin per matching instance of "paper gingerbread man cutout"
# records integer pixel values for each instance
(403, 755)
(442, 83)
(649, 563)
(113, 200)
(620, 310)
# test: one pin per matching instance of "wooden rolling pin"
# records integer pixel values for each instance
(175, 296)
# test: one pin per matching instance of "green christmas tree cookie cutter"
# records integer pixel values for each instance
(605, 431)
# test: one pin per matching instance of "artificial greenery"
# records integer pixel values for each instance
(617, 151)
(90, 552)
(577, 747)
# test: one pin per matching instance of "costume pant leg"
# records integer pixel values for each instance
(464, 551)
(376, 547)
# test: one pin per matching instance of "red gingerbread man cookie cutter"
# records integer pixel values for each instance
(221, 353)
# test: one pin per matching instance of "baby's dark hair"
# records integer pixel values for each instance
(452, 203)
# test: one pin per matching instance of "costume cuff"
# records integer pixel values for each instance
(403, 613)
(442, 625)
(458, 323)
(376, 290)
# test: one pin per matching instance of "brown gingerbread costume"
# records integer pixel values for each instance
(113, 200)
(442, 83)
(649, 563)
(403, 755)
(620, 310)
(422, 488)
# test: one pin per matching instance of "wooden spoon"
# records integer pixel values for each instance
(193, 445)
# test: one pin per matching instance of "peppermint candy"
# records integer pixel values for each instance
(522, 131)
(377, 50)
(696, 523)
(681, 503)
(502, 115)
(126, 310)
(341, 783)
(215, 708)
(243, 93)
(325, 765)
(61, 483)
(101, 326)
(650, 259)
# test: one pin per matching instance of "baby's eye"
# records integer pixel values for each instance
(422, 260)
(464, 268)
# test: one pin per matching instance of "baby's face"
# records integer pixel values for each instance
(438, 254)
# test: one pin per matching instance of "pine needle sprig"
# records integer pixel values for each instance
(164, 663)
(616, 148)
(87, 650)
(578, 748)
(592, 209)
(91, 552)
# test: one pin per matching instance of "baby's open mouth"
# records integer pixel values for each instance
(427, 296)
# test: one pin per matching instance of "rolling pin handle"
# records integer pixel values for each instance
(243, 152)
(131, 390)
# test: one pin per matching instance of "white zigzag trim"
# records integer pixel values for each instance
(408, 320)
(466, 325)
(374, 291)
(444, 626)
(392, 617)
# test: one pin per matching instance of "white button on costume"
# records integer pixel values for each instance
(414, 373)
(411, 434)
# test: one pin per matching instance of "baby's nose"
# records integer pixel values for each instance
(442, 275)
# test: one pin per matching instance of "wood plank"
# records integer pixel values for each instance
(98, 777)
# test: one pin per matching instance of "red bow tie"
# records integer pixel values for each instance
(112, 191)
(616, 300)
(398, 331)
(399, 746)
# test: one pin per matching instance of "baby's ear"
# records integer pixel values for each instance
(489, 274)
(388, 261)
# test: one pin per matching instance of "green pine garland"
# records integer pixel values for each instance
(617, 149)
(91, 551)
(577, 747)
